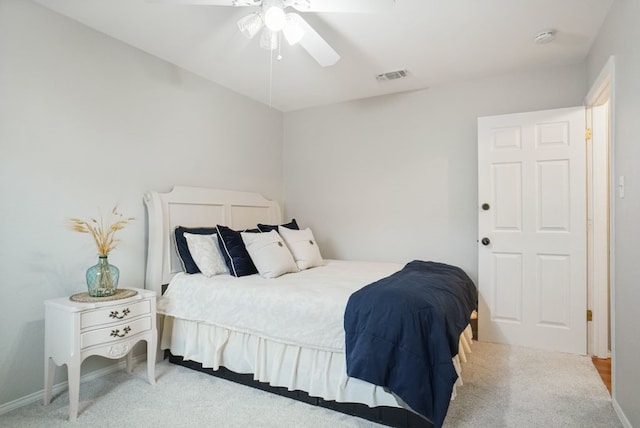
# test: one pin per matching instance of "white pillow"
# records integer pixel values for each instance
(206, 253)
(303, 246)
(269, 253)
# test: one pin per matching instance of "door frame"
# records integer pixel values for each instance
(602, 330)
(598, 203)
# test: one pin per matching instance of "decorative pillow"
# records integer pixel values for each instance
(303, 246)
(234, 252)
(188, 265)
(269, 227)
(269, 254)
(206, 253)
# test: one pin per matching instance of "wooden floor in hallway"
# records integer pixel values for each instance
(603, 365)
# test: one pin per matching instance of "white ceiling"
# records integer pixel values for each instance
(437, 41)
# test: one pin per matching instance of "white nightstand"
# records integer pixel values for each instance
(74, 331)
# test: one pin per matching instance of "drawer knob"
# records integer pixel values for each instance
(116, 332)
(116, 315)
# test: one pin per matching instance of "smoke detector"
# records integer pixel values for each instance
(545, 36)
(392, 75)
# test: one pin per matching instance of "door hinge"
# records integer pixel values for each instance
(589, 315)
(588, 134)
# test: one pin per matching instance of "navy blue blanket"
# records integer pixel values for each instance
(403, 331)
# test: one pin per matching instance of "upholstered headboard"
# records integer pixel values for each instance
(196, 207)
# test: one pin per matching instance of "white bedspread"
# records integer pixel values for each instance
(304, 308)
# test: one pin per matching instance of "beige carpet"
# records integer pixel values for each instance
(504, 387)
(519, 387)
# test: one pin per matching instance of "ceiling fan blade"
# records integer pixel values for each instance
(313, 43)
(211, 2)
(349, 6)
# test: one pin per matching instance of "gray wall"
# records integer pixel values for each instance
(619, 36)
(85, 122)
(395, 178)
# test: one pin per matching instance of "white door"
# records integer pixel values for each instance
(532, 224)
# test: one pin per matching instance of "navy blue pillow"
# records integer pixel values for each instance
(234, 252)
(188, 264)
(269, 227)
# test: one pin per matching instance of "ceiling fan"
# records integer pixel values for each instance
(274, 21)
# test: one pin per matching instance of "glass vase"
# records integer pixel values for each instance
(102, 279)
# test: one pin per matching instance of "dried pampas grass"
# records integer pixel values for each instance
(103, 233)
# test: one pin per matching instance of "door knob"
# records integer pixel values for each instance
(485, 241)
(485, 206)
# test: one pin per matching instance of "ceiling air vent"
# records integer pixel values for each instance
(392, 75)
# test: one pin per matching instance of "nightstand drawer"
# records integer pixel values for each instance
(114, 313)
(116, 332)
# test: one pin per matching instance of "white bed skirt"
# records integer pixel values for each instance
(319, 373)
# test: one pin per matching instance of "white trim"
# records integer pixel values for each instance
(603, 82)
(63, 386)
(603, 87)
(621, 415)
(598, 228)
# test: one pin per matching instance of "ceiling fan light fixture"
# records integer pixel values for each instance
(269, 39)
(274, 18)
(292, 31)
(250, 25)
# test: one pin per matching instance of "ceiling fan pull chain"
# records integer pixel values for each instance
(270, 75)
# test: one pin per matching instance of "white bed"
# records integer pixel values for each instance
(286, 331)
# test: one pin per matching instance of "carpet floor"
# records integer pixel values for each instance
(504, 386)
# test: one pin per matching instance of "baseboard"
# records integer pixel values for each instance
(62, 386)
(621, 415)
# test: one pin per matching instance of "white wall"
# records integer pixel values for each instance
(619, 36)
(85, 122)
(395, 178)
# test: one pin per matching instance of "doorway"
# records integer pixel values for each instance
(601, 183)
